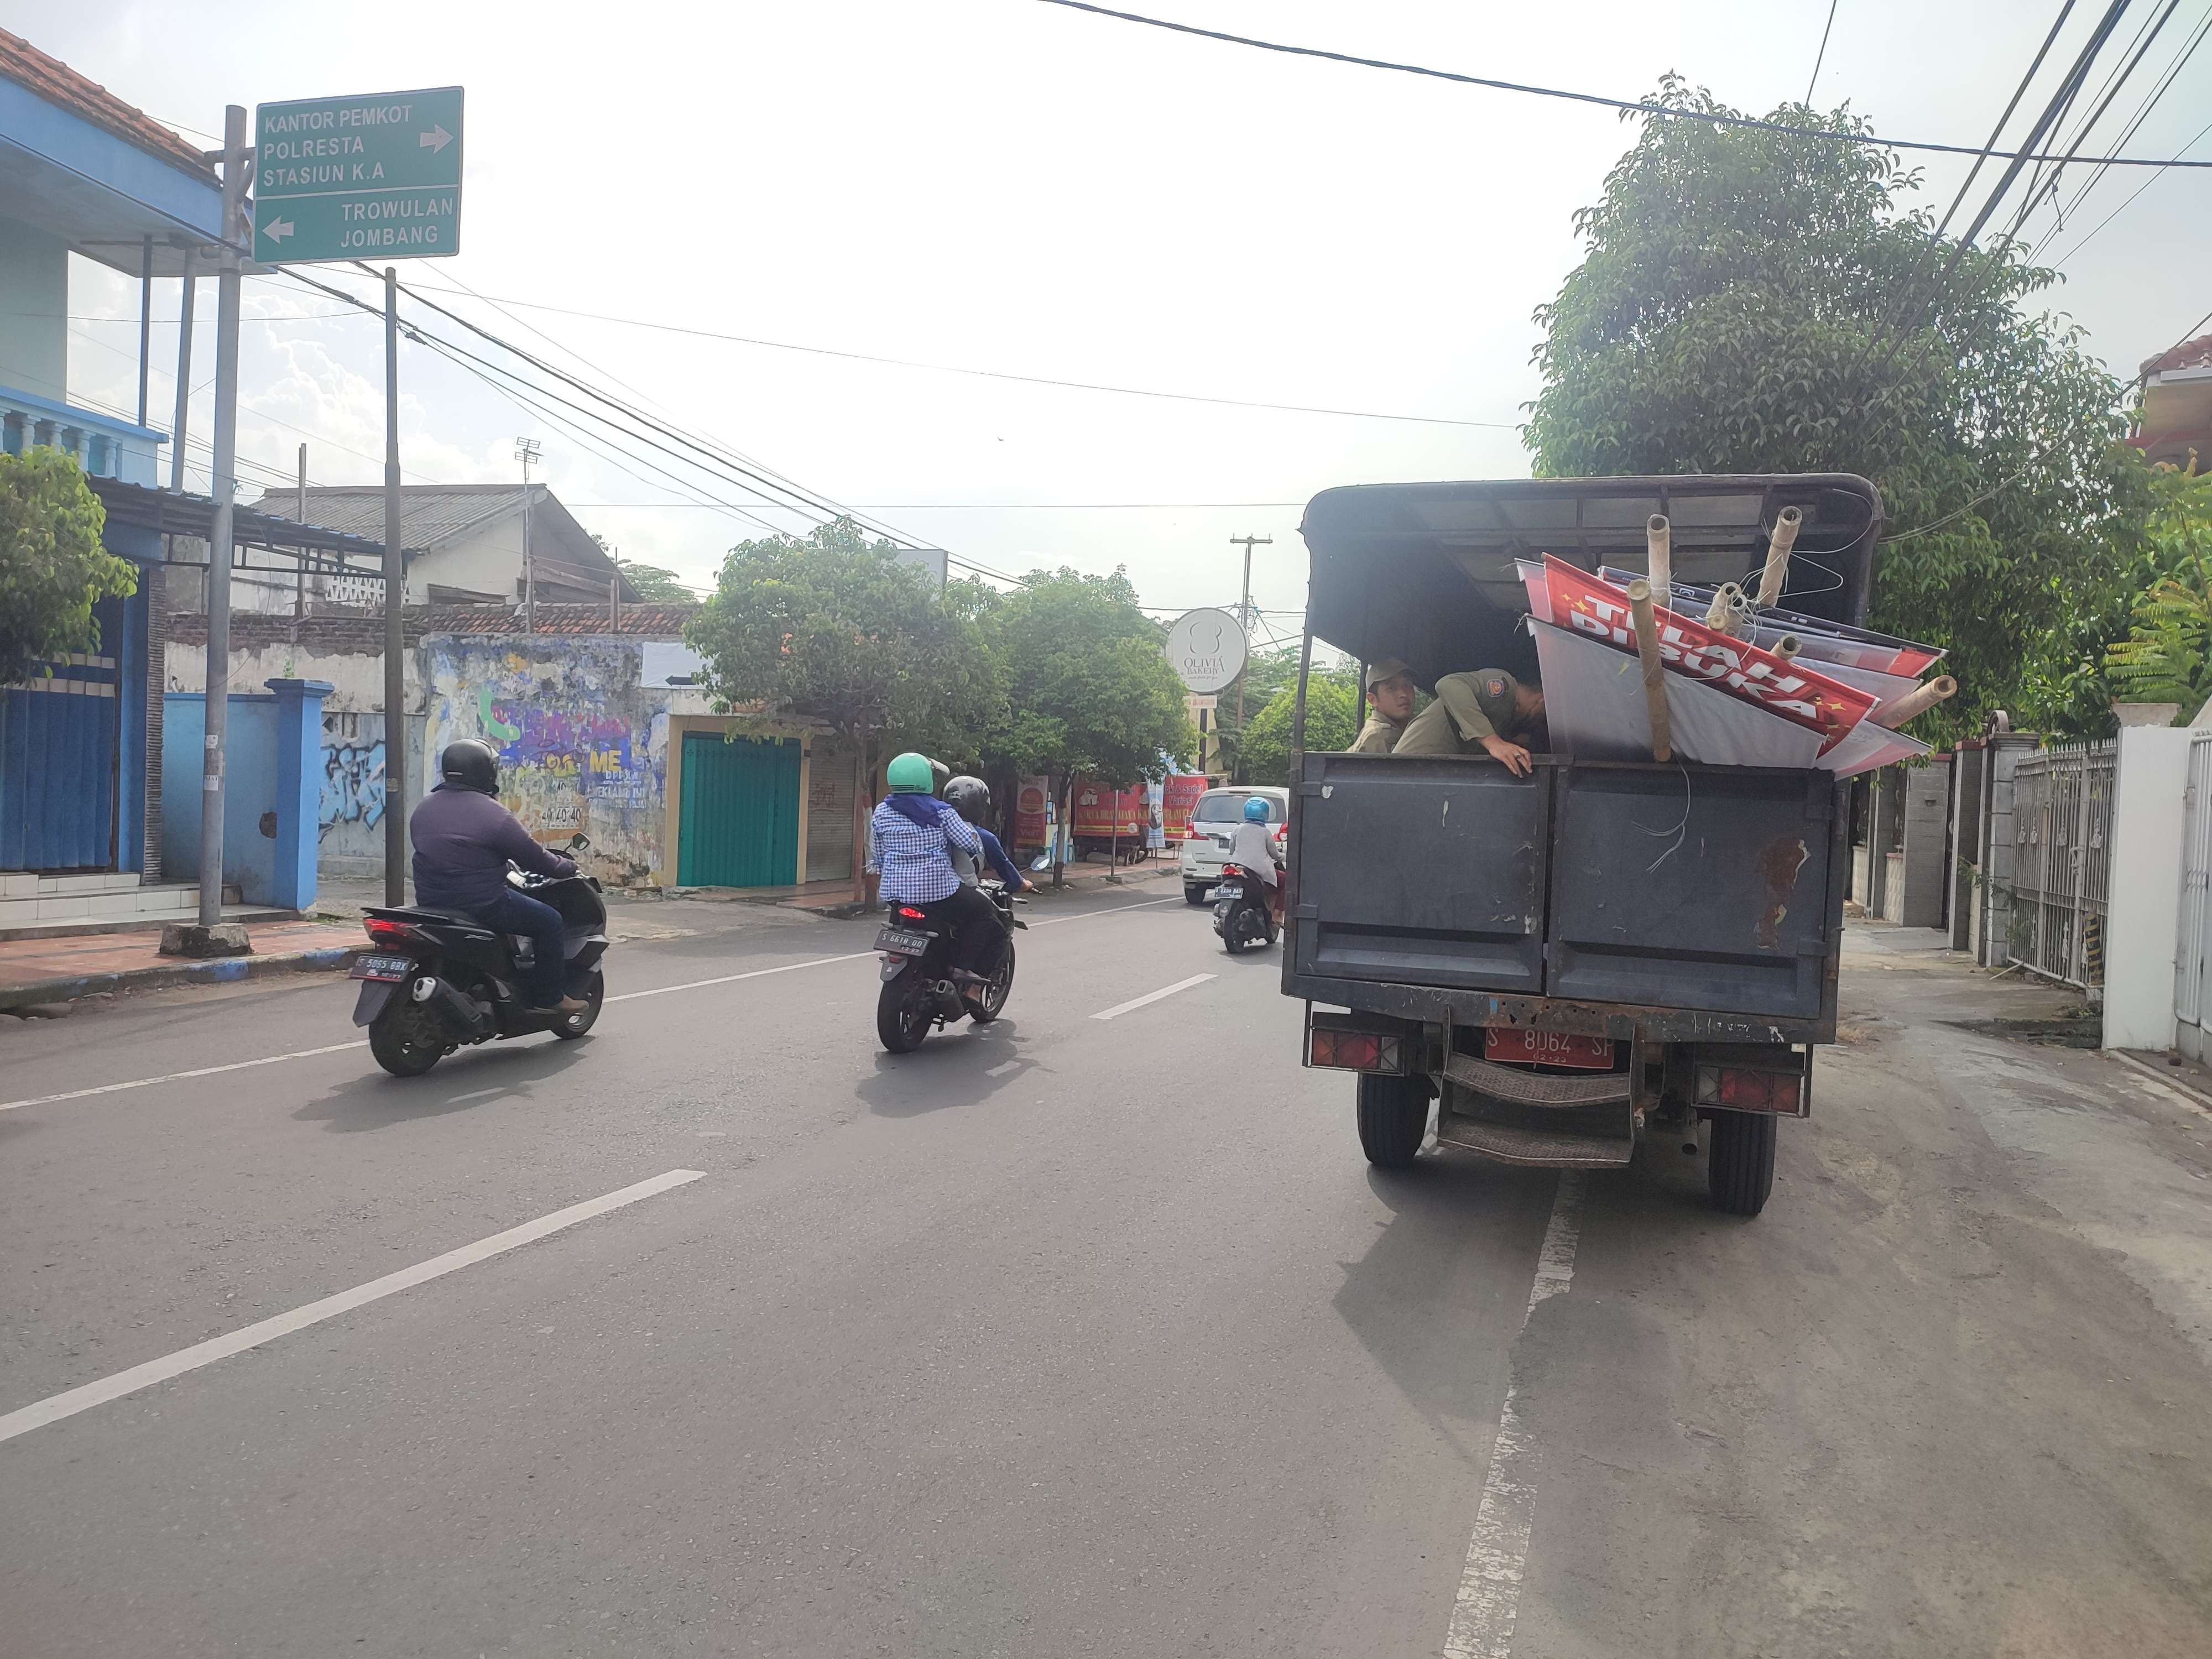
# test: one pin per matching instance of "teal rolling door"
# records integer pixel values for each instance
(740, 825)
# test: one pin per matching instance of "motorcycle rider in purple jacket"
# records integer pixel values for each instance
(464, 840)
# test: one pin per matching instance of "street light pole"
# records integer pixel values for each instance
(1244, 621)
(395, 616)
(527, 450)
(235, 156)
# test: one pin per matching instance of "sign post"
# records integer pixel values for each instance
(1206, 650)
(375, 175)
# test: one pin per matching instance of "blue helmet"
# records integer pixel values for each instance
(1256, 809)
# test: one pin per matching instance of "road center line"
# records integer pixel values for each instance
(70, 1402)
(627, 996)
(1489, 1599)
(1120, 1008)
(1110, 910)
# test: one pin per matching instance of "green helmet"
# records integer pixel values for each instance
(910, 775)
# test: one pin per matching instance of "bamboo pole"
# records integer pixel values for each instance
(1918, 701)
(1659, 557)
(1786, 523)
(1719, 614)
(1654, 673)
(1788, 647)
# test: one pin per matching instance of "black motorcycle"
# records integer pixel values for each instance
(921, 989)
(438, 979)
(1240, 913)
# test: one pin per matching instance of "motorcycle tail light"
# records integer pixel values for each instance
(384, 931)
(911, 913)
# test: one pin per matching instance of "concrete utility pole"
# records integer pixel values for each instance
(145, 318)
(527, 450)
(183, 376)
(1244, 621)
(395, 615)
(236, 157)
(299, 563)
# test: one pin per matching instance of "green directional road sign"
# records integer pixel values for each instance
(376, 177)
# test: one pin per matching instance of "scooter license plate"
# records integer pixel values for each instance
(387, 967)
(1547, 1048)
(901, 943)
(1230, 891)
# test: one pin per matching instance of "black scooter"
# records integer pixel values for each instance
(438, 979)
(1241, 912)
(921, 988)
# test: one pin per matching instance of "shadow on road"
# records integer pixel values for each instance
(459, 1083)
(963, 1066)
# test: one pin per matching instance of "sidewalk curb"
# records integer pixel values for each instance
(33, 992)
(2196, 1097)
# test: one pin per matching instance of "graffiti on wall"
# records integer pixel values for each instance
(590, 748)
(353, 784)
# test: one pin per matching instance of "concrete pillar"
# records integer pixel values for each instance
(2142, 920)
(298, 788)
(1967, 765)
(1924, 826)
(1999, 839)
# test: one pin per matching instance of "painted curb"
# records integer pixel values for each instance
(221, 971)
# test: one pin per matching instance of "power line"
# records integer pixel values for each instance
(2041, 188)
(1822, 57)
(1704, 117)
(990, 374)
(2142, 114)
(2125, 205)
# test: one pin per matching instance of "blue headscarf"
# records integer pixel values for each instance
(924, 811)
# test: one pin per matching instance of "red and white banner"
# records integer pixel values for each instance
(1178, 800)
(1032, 815)
(1739, 669)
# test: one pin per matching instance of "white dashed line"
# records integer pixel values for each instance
(1120, 1008)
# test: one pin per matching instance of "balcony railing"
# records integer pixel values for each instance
(104, 446)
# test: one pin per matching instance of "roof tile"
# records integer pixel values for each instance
(60, 85)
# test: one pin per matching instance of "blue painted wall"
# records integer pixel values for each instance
(249, 855)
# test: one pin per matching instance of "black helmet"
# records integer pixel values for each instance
(938, 775)
(970, 796)
(471, 763)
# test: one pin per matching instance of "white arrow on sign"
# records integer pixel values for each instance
(435, 140)
(279, 229)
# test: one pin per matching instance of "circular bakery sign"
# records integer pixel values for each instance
(1206, 649)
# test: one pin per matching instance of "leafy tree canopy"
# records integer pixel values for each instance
(835, 626)
(1332, 717)
(653, 583)
(2167, 654)
(52, 567)
(1090, 688)
(1758, 302)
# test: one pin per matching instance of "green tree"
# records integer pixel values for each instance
(653, 583)
(1269, 672)
(1332, 717)
(1758, 302)
(52, 568)
(835, 627)
(2167, 656)
(1088, 687)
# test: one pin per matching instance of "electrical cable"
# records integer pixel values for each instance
(2125, 205)
(1822, 57)
(1632, 106)
(2142, 114)
(984, 374)
(2041, 186)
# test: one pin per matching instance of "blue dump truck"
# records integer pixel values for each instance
(1557, 963)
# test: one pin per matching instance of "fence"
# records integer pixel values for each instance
(2194, 946)
(2062, 824)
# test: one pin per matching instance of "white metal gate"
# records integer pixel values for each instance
(2192, 956)
(2063, 819)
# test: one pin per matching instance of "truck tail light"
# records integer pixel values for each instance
(1746, 1091)
(1356, 1051)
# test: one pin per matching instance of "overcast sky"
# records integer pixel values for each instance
(1009, 185)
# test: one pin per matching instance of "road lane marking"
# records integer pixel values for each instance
(68, 1403)
(179, 1077)
(627, 996)
(731, 979)
(1489, 1599)
(1120, 1008)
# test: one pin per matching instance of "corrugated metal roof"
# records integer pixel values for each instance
(62, 85)
(659, 621)
(429, 514)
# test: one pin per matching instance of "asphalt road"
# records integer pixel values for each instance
(1077, 1336)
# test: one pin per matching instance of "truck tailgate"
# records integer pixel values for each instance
(1692, 887)
(1425, 871)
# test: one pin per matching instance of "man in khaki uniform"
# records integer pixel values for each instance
(1389, 707)
(1486, 710)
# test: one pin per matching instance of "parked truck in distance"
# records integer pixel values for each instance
(1558, 962)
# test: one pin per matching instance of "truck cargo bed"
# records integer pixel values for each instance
(1680, 900)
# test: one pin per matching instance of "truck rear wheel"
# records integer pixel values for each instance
(1739, 1170)
(1394, 1117)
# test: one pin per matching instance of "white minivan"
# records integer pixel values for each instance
(1213, 824)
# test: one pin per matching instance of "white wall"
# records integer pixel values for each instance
(358, 678)
(34, 311)
(2143, 905)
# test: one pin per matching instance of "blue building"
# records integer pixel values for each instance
(84, 173)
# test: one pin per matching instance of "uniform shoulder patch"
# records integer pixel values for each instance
(1494, 685)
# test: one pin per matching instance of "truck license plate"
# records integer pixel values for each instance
(384, 967)
(1546, 1048)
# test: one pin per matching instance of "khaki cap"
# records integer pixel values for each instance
(1379, 671)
